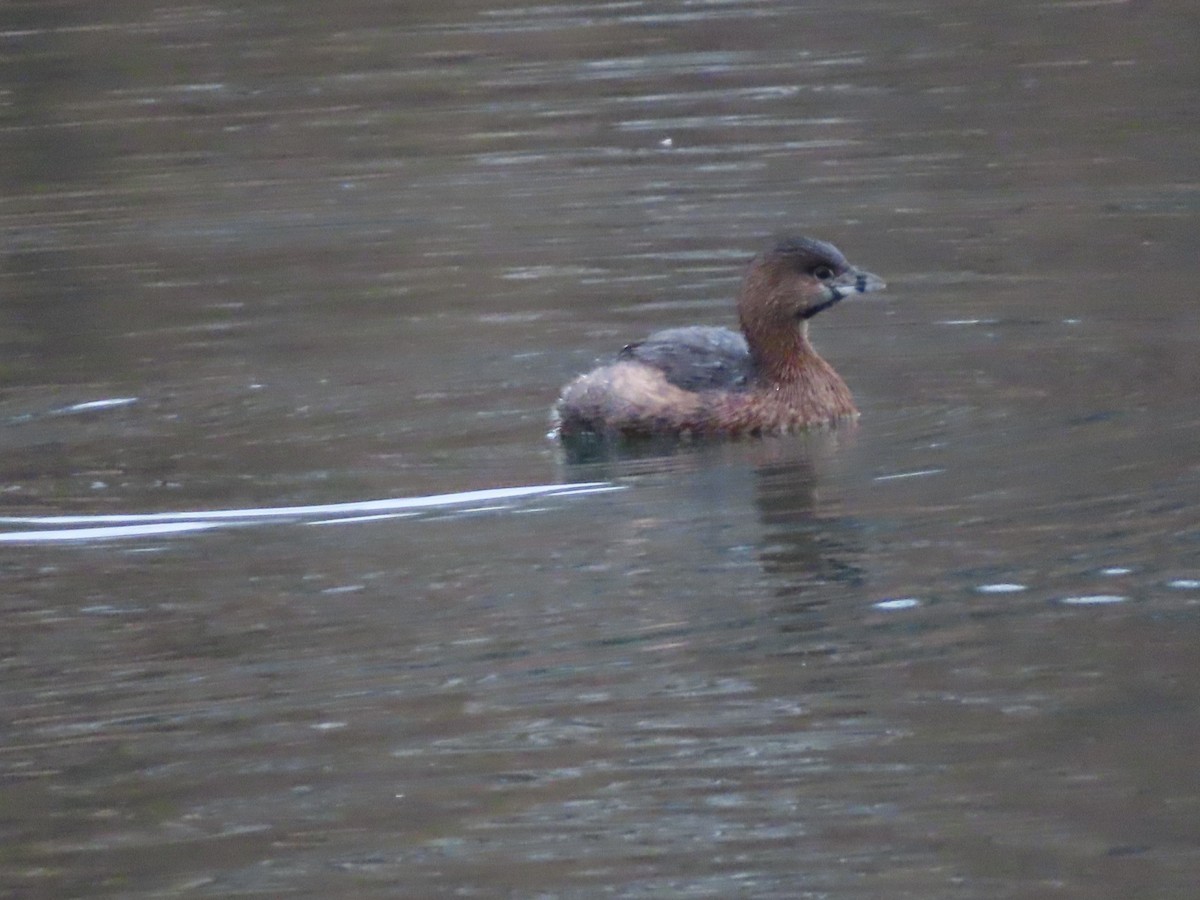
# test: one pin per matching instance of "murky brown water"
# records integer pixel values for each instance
(342, 252)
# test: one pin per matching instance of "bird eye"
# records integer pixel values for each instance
(824, 273)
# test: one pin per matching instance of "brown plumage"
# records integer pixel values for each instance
(713, 381)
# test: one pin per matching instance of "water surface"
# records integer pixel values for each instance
(296, 257)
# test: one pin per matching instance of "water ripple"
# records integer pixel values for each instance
(104, 527)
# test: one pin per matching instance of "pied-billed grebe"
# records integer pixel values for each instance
(713, 381)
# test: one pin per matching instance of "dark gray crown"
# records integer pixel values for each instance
(809, 252)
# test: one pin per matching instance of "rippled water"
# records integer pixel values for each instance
(284, 284)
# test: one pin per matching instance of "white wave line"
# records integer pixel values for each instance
(324, 509)
(107, 532)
